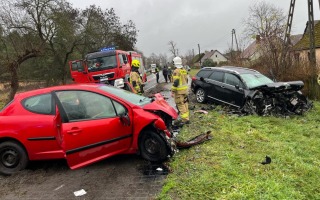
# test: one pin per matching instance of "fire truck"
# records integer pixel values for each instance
(109, 66)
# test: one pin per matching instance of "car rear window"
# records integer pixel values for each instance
(41, 104)
(204, 73)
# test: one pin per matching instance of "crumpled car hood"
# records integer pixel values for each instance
(160, 104)
(281, 86)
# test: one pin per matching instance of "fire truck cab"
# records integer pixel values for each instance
(108, 66)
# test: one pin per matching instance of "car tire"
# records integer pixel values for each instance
(201, 95)
(153, 147)
(13, 157)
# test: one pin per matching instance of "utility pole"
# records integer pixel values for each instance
(311, 33)
(177, 52)
(199, 54)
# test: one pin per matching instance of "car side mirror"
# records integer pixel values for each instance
(125, 119)
(201, 79)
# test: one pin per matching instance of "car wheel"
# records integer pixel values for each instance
(153, 147)
(13, 158)
(201, 95)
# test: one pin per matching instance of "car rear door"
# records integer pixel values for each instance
(216, 91)
(92, 128)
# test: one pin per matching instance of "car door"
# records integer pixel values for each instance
(92, 127)
(233, 93)
(78, 71)
(216, 91)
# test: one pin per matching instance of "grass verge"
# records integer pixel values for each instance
(229, 166)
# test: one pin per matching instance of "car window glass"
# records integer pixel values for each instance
(125, 60)
(121, 59)
(80, 105)
(77, 66)
(39, 104)
(127, 95)
(255, 80)
(217, 76)
(204, 73)
(232, 79)
(120, 109)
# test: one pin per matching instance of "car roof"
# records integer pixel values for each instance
(60, 87)
(234, 69)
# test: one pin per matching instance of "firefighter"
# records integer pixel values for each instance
(135, 79)
(179, 90)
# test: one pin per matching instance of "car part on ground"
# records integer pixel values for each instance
(194, 141)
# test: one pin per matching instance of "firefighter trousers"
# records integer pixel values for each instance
(181, 101)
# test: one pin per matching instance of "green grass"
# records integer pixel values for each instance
(229, 166)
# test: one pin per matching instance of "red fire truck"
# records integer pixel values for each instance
(108, 66)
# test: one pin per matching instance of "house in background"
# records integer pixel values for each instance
(252, 52)
(215, 56)
(302, 48)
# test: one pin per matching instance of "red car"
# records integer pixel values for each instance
(84, 124)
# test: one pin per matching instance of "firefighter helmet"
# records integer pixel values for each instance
(135, 63)
(177, 62)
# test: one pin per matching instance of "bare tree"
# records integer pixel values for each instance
(173, 48)
(189, 57)
(267, 23)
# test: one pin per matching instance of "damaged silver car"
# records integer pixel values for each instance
(249, 91)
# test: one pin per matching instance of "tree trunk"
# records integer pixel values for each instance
(14, 82)
(13, 69)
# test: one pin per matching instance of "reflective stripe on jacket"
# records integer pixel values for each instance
(181, 76)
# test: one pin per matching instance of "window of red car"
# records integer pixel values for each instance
(41, 104)
(84, 105)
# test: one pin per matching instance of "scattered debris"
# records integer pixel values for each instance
(267, 161)
(201, 111)
(58, 188)
(159, 169)
(155, 169)
(79, 193)
(194, 141)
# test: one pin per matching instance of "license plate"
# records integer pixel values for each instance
(103, 78)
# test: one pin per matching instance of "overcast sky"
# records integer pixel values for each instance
(192, 22)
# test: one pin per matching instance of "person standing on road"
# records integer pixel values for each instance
(169, 74)
(157, 74)
(135, 79)
(179, 90)
(165, 73)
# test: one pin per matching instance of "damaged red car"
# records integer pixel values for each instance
(83, 124)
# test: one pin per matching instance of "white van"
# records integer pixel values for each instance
(153, 68)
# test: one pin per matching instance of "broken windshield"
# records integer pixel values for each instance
(102, 63)
(255, 80)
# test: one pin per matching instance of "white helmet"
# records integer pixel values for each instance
(177, 62)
